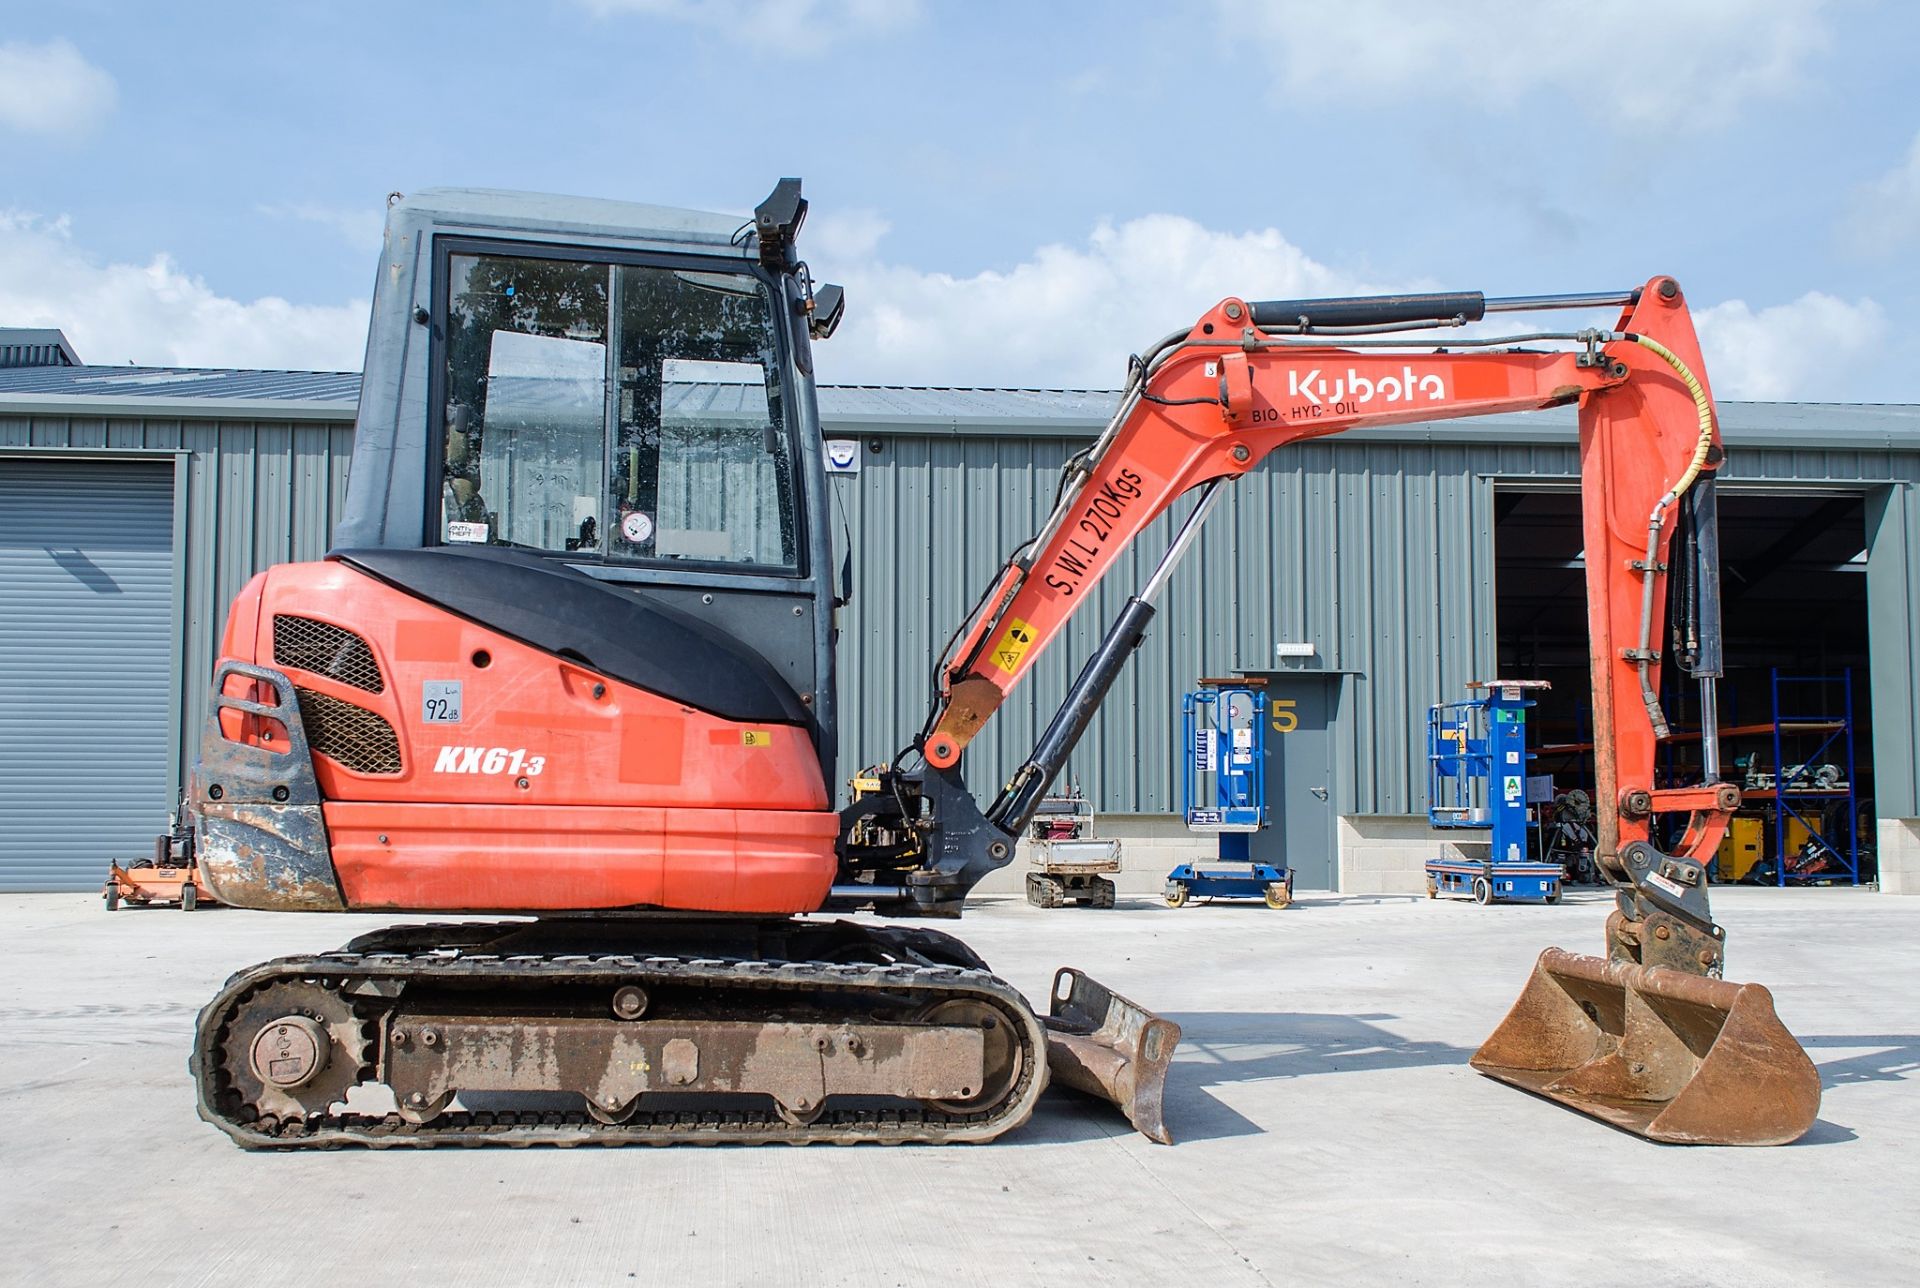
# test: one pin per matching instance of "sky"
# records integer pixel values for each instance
(1013, 194)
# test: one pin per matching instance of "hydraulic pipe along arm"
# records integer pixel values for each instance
(1649, 1038)
(1205, 406)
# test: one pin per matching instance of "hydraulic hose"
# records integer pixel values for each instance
(1657, 520)
(1701, 403)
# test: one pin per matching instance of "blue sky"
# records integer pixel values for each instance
(1013, 193)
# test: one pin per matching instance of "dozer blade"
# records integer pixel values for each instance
(1674, 1057)
(1109, 1046)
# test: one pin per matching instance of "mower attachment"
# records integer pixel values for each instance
(1108, 1046)
(1670, 1056)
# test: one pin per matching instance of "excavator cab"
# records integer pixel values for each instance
(584, 562)
(572, 655)
(624, 389)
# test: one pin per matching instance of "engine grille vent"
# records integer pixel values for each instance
(325, 649)
(358, 738)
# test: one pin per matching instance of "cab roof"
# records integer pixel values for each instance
(482, 210)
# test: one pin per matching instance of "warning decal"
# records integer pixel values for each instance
(1013, 645)
(756, 738)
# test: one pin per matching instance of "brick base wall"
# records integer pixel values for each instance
(1379, 853)
(1899, 855)
(1388, 853)
(1151, 845)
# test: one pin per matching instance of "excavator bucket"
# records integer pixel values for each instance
(1111, 1047)
(1674, 1057)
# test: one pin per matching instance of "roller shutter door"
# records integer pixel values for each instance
(86, 633)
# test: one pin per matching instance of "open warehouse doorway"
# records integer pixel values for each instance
(1794, 588)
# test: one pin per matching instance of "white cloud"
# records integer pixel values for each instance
(1066, 316)
(797, 26)
(847, 235)
(1803, 350)
(1886, 212)
(360, 227)
(50, 89)
(1671, 64)
(157, 314)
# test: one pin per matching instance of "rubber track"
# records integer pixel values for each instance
(340, 970)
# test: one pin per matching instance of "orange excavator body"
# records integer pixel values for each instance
(558, 788)
(574, 656)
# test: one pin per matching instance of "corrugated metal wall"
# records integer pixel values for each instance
(86, 648)
(257, 493)
(1377, 550)
(1379, 553)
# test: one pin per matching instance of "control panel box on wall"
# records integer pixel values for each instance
(843, 456)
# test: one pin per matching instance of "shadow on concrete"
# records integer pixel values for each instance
(1307, 901)
(1220, 1047)
(1324, 900)
(1825, 1133)
(1897, 1058)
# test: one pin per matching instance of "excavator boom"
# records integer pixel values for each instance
(1649, 1038)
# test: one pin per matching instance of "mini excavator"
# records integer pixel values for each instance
(571, 659)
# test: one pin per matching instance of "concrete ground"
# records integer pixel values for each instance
(1330, 1130)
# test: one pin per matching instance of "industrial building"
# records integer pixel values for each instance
(1362, 577)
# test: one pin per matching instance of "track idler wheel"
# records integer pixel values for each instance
(1001, 1057)
(419, 1110)
(612, 1114)
(294, 1049)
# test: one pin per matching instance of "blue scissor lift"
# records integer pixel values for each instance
(1224, 739)
(1477, 779)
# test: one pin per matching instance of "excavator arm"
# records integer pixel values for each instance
(1206, 406)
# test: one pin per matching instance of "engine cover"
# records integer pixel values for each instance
(455, 767)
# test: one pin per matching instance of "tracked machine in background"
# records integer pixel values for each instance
(572, 659)
(1068, 862)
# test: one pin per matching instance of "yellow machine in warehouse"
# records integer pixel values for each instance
(1744, 846)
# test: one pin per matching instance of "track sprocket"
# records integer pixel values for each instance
(294, 1049)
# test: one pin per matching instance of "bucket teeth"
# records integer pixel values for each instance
(1667, 1055)
(1111, 1047)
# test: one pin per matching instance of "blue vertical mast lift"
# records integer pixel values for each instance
(1223, 731)
(1477, 779)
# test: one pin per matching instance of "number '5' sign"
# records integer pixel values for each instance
(1285, 718)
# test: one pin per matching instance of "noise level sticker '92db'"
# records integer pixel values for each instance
(1013, 646)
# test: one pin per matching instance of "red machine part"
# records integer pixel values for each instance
(558, 788)
(1213, 412)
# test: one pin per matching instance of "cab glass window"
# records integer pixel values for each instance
(626, 412)
(526, 402)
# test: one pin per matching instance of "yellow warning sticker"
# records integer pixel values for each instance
(756, 738)
(1013, 646)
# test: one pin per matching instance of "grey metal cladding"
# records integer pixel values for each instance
(86, 573)
(1375, 546)
(176, 383)
(258, 492)
(35, 347)
(1379, 553)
